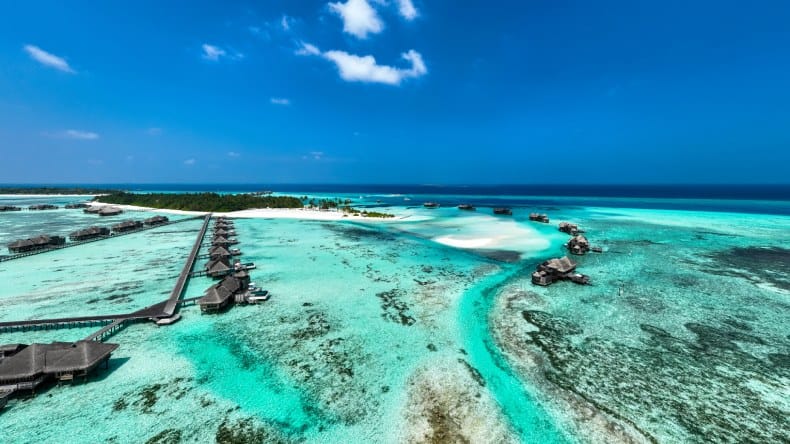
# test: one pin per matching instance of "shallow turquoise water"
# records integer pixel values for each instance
(372, 328)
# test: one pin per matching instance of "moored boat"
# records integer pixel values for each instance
(431, 205)
(466, 207)
(503, 211)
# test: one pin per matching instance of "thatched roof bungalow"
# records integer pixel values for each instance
(9, 208)
(578, 245)
(35, 243)
(569, 228)
(92, 209)
(557, 269)
(221, 294)
(89, 233)
(109, 211)
(218, 267)
(61, 360)
(127, 225)
(156, 220)
(537, 217)
(75, 206)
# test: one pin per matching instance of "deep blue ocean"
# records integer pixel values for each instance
(755, 199)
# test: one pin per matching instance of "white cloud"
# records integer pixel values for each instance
(189, 162)
(153, 131)
(407, 10)
(354, 68)
(359, 18)
(214, 53)
(48, 59)
(285, 22)
(233, 154)
(280, 101)
(79, 135)
(313, 155)
(308, 49)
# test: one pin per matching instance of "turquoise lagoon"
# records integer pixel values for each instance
(425, 328)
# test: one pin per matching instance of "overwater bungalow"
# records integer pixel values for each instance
(218, 267)
(109, 211)
(9, 208)
(219, 295)
(569, 228)
(64, 361)
(466, 207)
(75, 206)
(578, 245)
(503, 211)
(156, 220)
(224, 232)
(537, 217)
(92, 210)
(126, 226)
(431, 205)
(558, 269)
(221, 240)
(36, 243)
(41, 207)
(89, 233)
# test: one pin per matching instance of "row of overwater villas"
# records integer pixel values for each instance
(41, 207)
(235, 285)
(50, 241)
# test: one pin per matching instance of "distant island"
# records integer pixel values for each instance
(207, 202)
(226, 203)
(54, 190)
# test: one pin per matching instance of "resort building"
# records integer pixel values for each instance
(558, 269)
(31, 365)
(569, 228)
(89, 233)
(36, 243)
(219, 267)
(127, 225)
(156, 220)
(109, 211)
(219, 295)
(578, 245)
(537, 217)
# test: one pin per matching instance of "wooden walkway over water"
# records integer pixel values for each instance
(112, 323)
(88, 241)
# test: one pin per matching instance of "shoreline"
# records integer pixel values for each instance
(256, 213)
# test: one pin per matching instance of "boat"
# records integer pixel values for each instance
(431, 205)
(466, 207)
(503, 211)
(167, 321)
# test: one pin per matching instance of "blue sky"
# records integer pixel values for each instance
(389, 91)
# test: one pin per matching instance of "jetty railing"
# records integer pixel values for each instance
(183, 278)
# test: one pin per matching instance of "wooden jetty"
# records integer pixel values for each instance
(76, 243)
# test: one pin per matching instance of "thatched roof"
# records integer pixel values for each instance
(218, 265)
(560, 265)
(109, 211)
(57, 357)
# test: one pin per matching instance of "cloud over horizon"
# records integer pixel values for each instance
(407, 10)
(48, 59)
(280, 101)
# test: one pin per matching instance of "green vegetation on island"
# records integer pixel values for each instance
(54, 190)
(208, 202)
